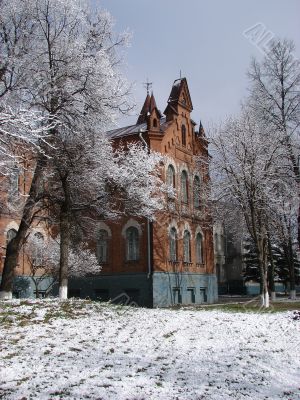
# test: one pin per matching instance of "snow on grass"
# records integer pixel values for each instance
(84, 350)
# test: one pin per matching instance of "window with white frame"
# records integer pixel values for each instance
(184, 187)
(171, 176)
(173, 244)
(14, 183)
(102, 246)
(132, 244)
(199, 248)
(186, 246)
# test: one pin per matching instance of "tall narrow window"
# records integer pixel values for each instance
(102, 246)
(171, 176)
(184, 187)
(183, 135)
(14, 184)
(132, 244)
(38, 253)
(199, 249)
(11, 234)
(186, 247)
(196, 189)
(173, 244)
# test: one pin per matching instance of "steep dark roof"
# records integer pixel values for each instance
(175, 91)
(178, 86)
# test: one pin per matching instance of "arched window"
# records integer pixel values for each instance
(199, 249)
(132, 244)
(102, 246)
(155, 123)
(184, 187)
(183, 135)
(173, 244)
(38, 249)
(171, 176)
(11, 234)
(186, 247)
(196, 188)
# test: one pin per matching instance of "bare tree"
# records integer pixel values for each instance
(250, 169)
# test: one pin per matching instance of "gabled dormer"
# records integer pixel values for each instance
(179, 99)
(150, 114)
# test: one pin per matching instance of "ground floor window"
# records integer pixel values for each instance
(191, 295)
(203, 295)
(177, 298)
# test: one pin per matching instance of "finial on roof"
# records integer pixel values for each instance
(179, 74)
(201, 129)
(148, 85)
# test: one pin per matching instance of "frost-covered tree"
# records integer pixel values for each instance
(20, 126)
(251, 172)
(275, 97)
(43, 256)
(275, 93)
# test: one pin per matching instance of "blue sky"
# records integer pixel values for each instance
(203, 39)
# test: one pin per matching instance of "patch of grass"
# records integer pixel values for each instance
(10, 356)
(251, 307)
(169, 334)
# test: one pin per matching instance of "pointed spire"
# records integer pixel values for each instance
(143, 114)
(201, 130)
(152, 102)
(148, 107)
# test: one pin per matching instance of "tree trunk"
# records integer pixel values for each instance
(64, 253)
(64, 240)
(271, 272)
(14, 246)
(263, 261)
(292, 271)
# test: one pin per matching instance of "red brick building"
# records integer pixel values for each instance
(171, 260)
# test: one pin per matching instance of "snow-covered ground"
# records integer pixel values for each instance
(83, 350)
